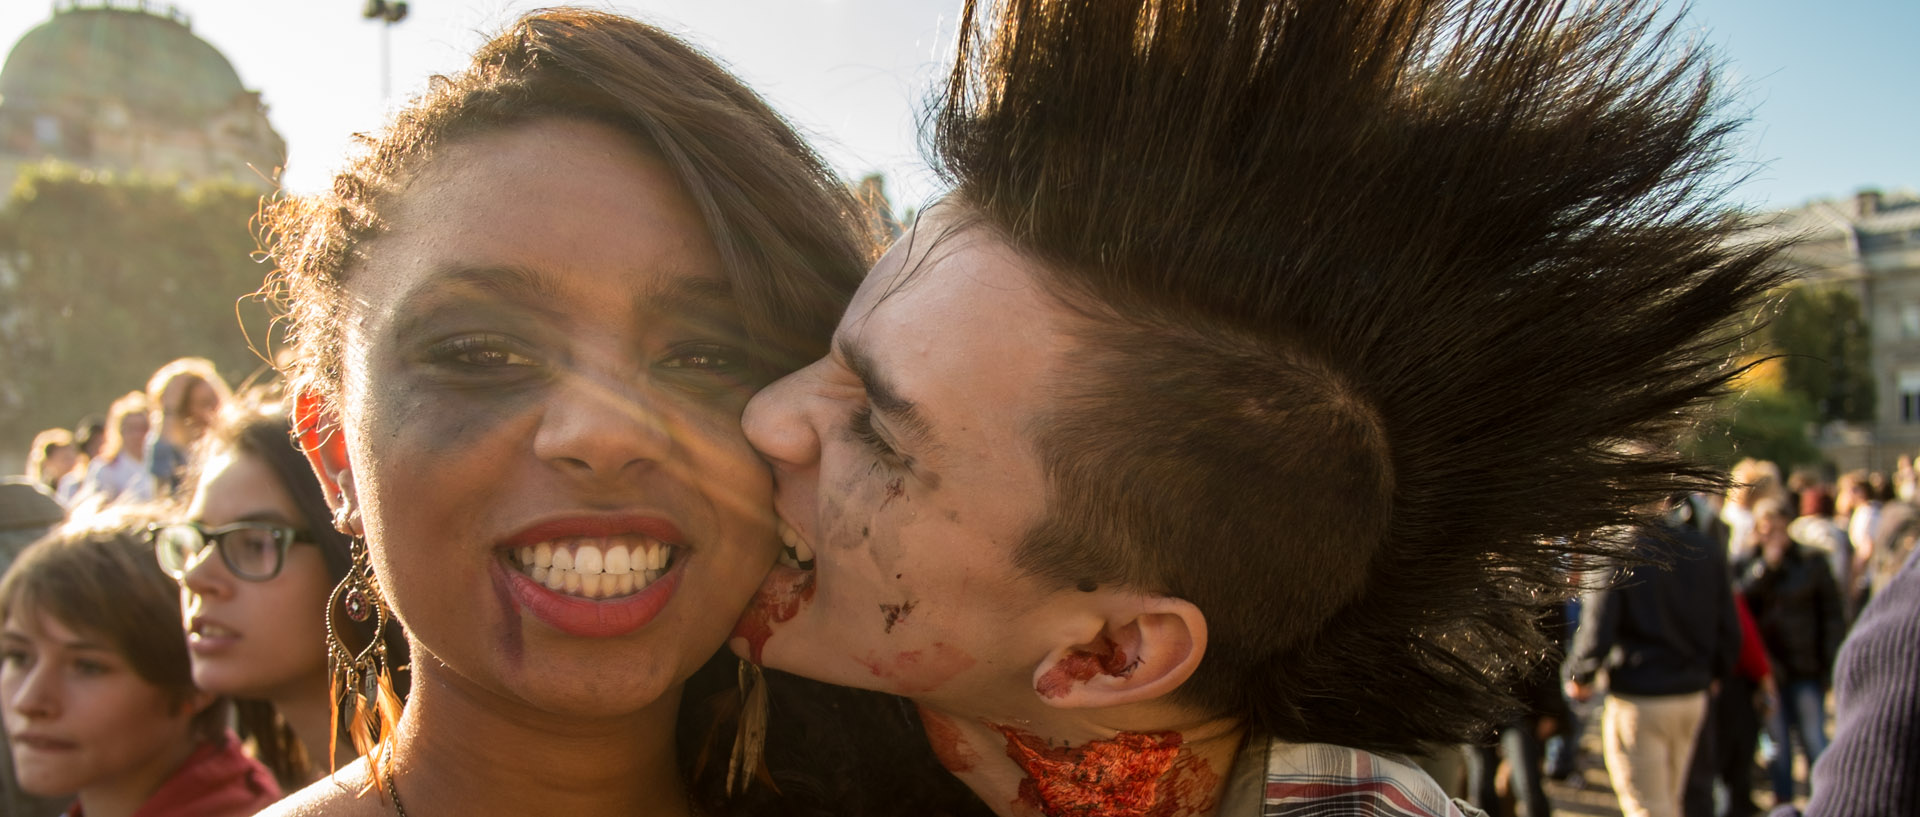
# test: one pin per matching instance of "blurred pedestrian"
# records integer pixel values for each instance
(257, 557)
(119, 475)
(1857, 505)
(89, 435)
(1521, 743)
(1796, 604)
(1751, 479)
(1818, 529)
(1662, 632)
(186, 395)
(27, 512)
(51, 456)
(1725, 750)
(1895, 535)
(98, 697)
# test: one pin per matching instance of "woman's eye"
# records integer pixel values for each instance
(16, 658)
(482, 352)
(725, 359)
(88, 667)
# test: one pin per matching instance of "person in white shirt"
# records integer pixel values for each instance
(119, 475)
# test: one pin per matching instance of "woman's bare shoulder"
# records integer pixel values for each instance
(341, 794)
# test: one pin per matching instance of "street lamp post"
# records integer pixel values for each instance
(387, 13)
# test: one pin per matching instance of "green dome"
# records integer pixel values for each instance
(149, 62)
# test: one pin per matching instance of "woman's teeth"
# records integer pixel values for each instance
(595, 568)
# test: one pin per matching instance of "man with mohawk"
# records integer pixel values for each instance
(1214, 442)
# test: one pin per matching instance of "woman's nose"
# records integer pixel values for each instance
(206, 574)
(38, 695)
(600, 427)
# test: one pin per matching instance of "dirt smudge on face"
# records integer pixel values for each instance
(1080, 666)
(896, 489)
(831, 508)
(510, 644)
(912, 672)
(778, 600)
(896, 613)
(949, 745)
(1133, 774)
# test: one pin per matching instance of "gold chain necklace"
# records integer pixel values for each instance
(394, 792)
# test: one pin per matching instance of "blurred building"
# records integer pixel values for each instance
(1870, 244)
(125, 86)
(871, 191)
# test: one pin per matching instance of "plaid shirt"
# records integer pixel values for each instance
(1274, 779)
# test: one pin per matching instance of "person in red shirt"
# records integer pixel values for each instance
(96, 692)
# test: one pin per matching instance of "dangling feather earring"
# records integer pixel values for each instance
(751, 738)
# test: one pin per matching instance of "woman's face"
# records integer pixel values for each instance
(59, 461)
(543, 380)
(253, 639)
(76, 713)
(201, 406)
(133, 433)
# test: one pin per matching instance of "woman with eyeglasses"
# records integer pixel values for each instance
(257, 557)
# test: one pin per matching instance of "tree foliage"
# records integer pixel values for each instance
(1825, 348)
(103, 280)
(1813, 367)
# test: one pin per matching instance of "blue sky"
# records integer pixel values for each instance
(1833, 88)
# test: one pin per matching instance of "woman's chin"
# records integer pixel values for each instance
(609, 697)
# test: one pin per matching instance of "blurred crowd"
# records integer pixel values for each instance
(164, 612)
(1708, 670)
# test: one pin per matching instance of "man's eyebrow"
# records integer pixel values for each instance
(904, 413)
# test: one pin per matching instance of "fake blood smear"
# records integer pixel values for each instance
(949, 746)
(1082, 665)
(1133, 774)
(778, 600)
(915, 671)
(896, 613)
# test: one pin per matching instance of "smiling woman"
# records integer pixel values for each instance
(528, 317)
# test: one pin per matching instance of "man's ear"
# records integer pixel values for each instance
(1146, 647)
(318, 432)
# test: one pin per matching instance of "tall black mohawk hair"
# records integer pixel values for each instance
(1407, 301)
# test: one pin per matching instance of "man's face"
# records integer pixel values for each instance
(133, 430)
(1770, 530)
(905, 464)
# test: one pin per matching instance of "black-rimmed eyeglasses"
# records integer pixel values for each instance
(253, 551)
